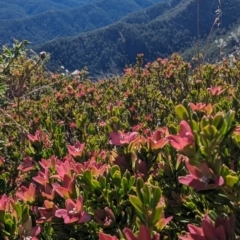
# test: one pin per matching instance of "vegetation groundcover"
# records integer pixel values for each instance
(152, 154)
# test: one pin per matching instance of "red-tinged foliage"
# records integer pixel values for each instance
(151, 152)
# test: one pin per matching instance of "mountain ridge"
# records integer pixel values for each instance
(58, 23)
(15, 9)
(109, 49)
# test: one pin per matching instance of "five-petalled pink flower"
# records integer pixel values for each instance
(73, 212)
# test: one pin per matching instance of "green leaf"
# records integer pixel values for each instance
(156, 215)
(124, 185)
(194, 125)
(9, 223)
(210, 131)
(87, 177)
(146, 195)
(95, 183)
(127, 174)
(139, 186)
(114, 169)
(91, 128)
(7, 216)
(131, 182)
(156, 195)
(181, 112)
(117, 178)
(102, 181)
(194, 117)
(190, 205)
(2, 214)
(18, 209)
(203, 140)
(137, 204)
(204, 122)
(25, 213)
(230, 118)
(218, 121)
(223, 128)
(212, 215)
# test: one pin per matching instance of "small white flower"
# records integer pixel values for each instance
(76, 72)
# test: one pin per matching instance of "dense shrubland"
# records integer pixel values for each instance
(153, 154)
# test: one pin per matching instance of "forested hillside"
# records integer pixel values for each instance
(158, 31)
(14, 9)
(65, 22)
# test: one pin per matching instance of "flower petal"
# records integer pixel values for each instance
(103, 236)
(129, 234)
(85, 217)
(61, 213)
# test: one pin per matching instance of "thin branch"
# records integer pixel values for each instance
(16, 123)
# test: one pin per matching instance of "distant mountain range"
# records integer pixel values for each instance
(105, 35)
(157, 31)
(15, 9)
(44, 20)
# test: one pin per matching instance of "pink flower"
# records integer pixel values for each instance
(3, 202)
(215, 91)
(102, 124)
(158, 139)
(39, 139)
(47, 212)
(76, 150)
(43, 179)
(201, 177)
(73, 125)
(137, 127)
(202, 107)
(27, 165)
(27, 194)
(132, 109)
(121, 161)
(184, 140)
(229, 224)
(120, 138)
(33, 233)
(143, 234)
(103, 236)
(27, 231)
(96, 168)
(64, 168)
(68, 189)
(73, 212)
(207, 231)
(148, 117)
(36, 137)
(104, 218)
(50, 163)
(198, 106)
